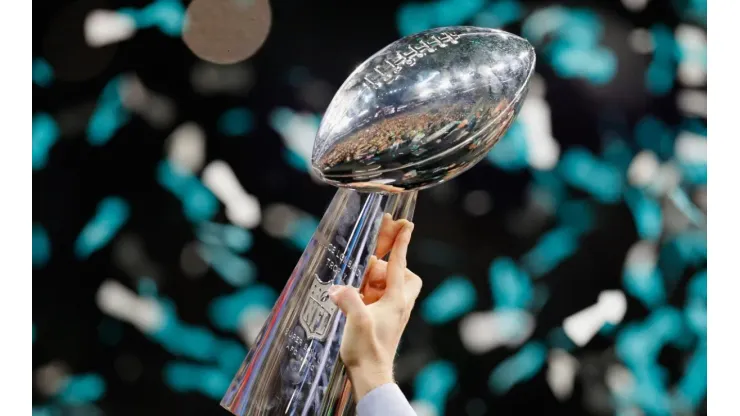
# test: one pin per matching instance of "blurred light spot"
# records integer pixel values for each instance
(695, 10)
(228, 312)
(51, 378)
(477, 203)
(235, 270)
(692, 102)
(510, 285)
(83, 388)
(190, 261)
(44, 133)
(109, 116)
(226, 31)
(561, 372)
(696, 304)
(226, 235)
(499, 14)
(118, 301)
(434, 383)
(481, 332)
(157, 110)
(183, 378)
(641, 41)
(41, 246)
(198, 202)
(617, 152)
(422, 408)
(619, 380)
(128, 367)
(634, 5)
(582, 170)
(444, 193)
(691, 148)
(692, 388)
(454, 297)
(476, 407)
(236, 122)
(647, 214)
(543, 150)
(208, 78)
(230, 356)
(147, 288)
(316, 93)
(684, 205)
(660, 75)
(665, 180)
(130, 255)
(700, 198)
(416, 17)
(579, 216)
(643, 168)
(550, 251)
(42, 72)
(252, 320)
(692, 43)
(641, 276)
(297, 131)
(103, 27)
(242, 208)
(166, 15)
(510, 153)
(111, 214)
(557, 338)
(279, 219)
(583, 325)
(520, 367)
(186, 147)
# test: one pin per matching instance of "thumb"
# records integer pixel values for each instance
(347, 299)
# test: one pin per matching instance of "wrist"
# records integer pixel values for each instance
(366, 378)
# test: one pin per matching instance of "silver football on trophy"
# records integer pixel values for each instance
(423, 109)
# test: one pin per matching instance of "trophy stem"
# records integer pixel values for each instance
(294, 366)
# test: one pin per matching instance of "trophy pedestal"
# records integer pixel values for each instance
(294, 366)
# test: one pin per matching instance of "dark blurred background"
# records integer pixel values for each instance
(564, 274)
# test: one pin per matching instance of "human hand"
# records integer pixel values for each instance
(378, 313)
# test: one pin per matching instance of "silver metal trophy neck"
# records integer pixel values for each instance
(423, 109)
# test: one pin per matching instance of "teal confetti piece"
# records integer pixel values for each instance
(112, 213)
(41, 252)
(518, 368)
(453, 298)
(226, 311)
(235, 270)
(434, 382)
(84, 388)
(511, 287)
(236, 121)
(42, 72)
(44, 134)
(551, 250)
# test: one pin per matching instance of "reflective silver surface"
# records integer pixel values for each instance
(417, 113)
(423, 109)
(294, 367)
